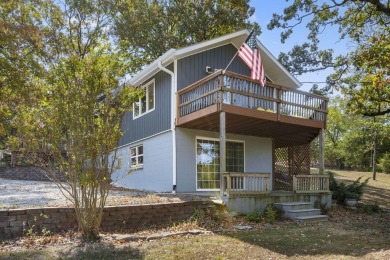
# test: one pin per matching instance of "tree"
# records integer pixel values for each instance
(338, 124)
(76, 99)
(147, 29)
(363, 74)
(20, 43)
(351, 139)
(72, 125)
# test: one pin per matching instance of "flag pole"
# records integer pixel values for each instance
(250, 35)
(230, 61)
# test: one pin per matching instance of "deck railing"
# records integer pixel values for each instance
(237, 183)
(238, 90)
(310, 183)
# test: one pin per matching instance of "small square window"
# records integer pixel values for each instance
(137, 157)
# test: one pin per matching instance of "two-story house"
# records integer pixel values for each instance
(199, 126)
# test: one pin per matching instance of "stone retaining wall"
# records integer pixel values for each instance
(18, 222)
(27, 173)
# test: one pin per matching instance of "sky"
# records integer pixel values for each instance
(271, 39)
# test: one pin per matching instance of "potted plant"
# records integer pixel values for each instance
(348, 194)
(351, 199)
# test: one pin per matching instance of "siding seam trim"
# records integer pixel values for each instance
(143, 139)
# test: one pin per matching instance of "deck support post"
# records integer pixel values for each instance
(222, 149)
(321, 145)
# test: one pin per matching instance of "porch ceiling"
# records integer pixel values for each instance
(255, 123)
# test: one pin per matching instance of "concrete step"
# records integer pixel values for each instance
(293, 205)
(293, 213)
(302, 212)
(311, 219)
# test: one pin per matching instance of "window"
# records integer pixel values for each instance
(137, 156)
(207, 162)
(145, 104)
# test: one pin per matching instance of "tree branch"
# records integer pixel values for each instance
(379, 6)
(378, 113)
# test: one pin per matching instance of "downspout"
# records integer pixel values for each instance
(173, 116)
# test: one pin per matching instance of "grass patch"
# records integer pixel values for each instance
(27, 254)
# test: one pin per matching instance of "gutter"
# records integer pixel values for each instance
(173, 116)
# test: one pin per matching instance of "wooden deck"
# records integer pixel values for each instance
(270, 111)
(249, 184)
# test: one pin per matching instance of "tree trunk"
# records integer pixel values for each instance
(374, 160)
(374, 153)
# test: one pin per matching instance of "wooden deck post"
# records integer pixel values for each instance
(321, 152)
(222, 148)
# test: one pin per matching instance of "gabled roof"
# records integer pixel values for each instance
(273, 69)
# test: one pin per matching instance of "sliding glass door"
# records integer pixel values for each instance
(207, 162)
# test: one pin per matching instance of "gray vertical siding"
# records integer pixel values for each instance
(190, 70)
(258, 155)
(156, 174)
(153, 122)
(193, 68)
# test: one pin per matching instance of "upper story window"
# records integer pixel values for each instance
(145, 104)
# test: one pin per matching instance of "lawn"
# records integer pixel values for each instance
(348, 234)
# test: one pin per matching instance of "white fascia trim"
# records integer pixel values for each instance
(152, 68)
(263, 48)
(180, 53)
(174, 54)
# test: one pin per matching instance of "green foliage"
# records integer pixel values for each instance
(33, 230)
(147, 29)
(272, 213)
(254, 217)
(21, 43)
(341, 191)
(61, 79)
(332, 181)
(384, 163)
(371, 208)
(74, 109)
(346, 133)
(363, 73)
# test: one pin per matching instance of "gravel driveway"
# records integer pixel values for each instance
(25, 194)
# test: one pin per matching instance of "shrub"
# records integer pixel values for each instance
(341, 191)
(270, 213)
(213, 217)
(254, 217)
(384, 163)
(332, 181)
(371, 208)
(321, 206)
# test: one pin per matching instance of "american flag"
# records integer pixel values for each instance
(250, 54)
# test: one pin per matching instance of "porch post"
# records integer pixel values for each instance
(222, 149)
(321, 152)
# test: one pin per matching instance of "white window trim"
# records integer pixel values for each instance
(214, 139)
(137, 166)
(146, 86)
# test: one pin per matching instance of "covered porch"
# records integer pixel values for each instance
(226, 102)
